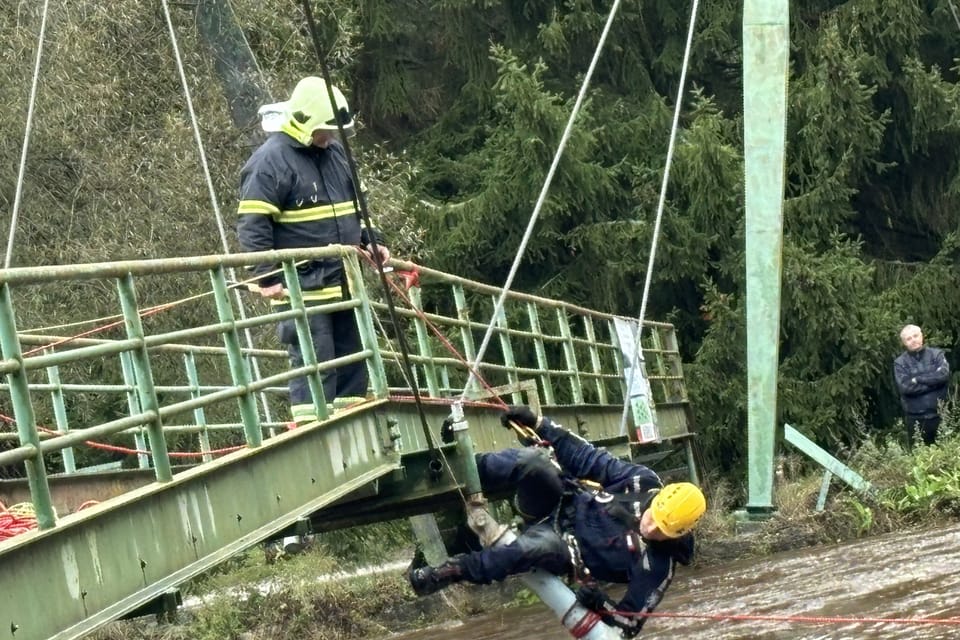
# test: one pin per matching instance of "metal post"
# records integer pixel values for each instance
(766, 42)
(306, 341)
(595, 358)
(238, 366)
(368, 335)
(507, 350)
(423, 341)
(60, 415)
(570, 355)
(190, 364)
(466, 333)
(546, 384)
(145, 389)
(133, 404)
(23, 412)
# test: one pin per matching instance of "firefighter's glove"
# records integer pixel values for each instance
(523, 422)
(592, 598)
(596, 600)
(521, 416)
(446, 431)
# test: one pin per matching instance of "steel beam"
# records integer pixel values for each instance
(99, 563)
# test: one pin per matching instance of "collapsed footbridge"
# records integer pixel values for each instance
(186, 398)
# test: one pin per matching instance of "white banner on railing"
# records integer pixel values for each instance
(641, 398)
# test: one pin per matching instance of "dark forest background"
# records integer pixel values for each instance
(461, 105)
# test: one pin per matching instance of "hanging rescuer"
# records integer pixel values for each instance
(588, 516)
(297, 191)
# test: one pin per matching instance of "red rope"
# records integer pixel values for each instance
(17, 519)
(133, 452)
(803, 619)
(433, 328)
(143, 314)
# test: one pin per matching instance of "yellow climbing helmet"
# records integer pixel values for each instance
(677, 508)
(310, 109)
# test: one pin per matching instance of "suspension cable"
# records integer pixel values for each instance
(18, 194)
(638, 351)
(581, 96)
(953, 10)
(247, 334)
(361, 202)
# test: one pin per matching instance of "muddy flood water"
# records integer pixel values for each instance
(913, 575)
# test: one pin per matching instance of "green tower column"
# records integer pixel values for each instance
(766, 41)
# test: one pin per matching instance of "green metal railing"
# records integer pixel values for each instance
(197, 383)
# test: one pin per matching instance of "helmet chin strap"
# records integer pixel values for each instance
(293, 129)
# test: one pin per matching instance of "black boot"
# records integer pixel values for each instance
(427, 580)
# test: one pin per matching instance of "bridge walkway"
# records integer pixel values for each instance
(194, 406)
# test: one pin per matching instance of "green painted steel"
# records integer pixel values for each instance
(364, 315)
(570, 355)
(99, 563)
(424, 345)
(466, 335)
(766, 43)
(239, 372)
(306, 340)
(199, 415)
(595, 358)
(546, 382)
(145, 391)
(95, 566)
(133, 404)
(60, 416)
(819, 455)
(24, 414)
(506, 350)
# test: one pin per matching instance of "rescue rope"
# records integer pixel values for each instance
(118, 318)
(648, 278)
(22, 517)
(18, 194)
(127, 450)
(801, 619)
(581, 96)
(361, 205)
(18, 519)
(473, 370)
(218, 215)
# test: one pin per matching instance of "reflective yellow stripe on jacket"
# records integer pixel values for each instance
(257, 206)
(326, 294)
(317, 213)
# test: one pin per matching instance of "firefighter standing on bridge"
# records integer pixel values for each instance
(297, 191)
(589, 516)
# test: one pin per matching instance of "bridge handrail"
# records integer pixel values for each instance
(557, 337)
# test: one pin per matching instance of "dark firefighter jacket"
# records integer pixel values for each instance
(921, 378)
(609, 543)
(295, 196)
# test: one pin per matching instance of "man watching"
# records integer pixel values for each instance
(921, 374)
